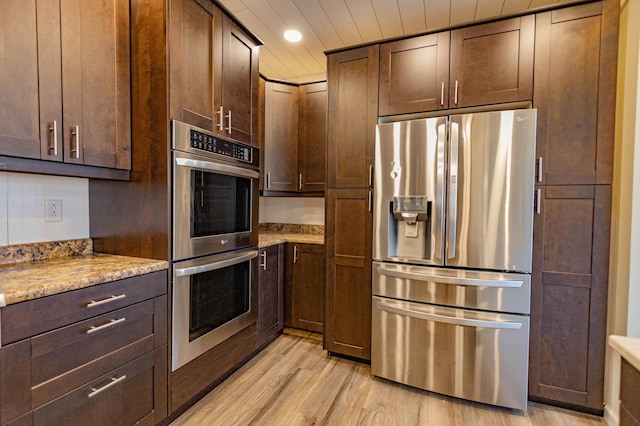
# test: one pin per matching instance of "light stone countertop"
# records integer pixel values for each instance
(628, 348)
(266, 239)
(29, 280)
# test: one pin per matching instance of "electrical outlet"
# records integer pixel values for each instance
(53, 210)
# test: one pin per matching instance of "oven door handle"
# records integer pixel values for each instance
(192, 270)
(216, 167)
(476, 282)
(501, 325)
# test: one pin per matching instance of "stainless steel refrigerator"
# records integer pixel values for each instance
(452, 248)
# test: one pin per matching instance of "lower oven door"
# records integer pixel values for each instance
(214, 297)
(475, 355)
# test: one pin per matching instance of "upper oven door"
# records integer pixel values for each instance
(214, 206)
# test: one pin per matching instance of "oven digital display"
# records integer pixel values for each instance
(209, 143)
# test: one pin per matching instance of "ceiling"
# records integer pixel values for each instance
(332, 24)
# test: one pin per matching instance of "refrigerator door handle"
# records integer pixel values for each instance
(503, 325)
(452, 211)
(476, 282)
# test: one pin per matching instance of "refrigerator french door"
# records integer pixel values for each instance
(453, 232)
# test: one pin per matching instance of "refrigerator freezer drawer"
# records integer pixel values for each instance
(485, 290)
(479, 356)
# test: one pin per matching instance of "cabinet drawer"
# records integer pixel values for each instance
(66, 358)
(121, 397)
(26, 319)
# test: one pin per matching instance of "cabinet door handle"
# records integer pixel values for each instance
(111, 323)
(220, 124)
(455, 96)
(370, 201)
(54, 129)
(113, 382)
(300, 182)
(229, 123)
(109, 299)
(370, 174)
(75, 149)
(295, 254)
(442, 94)
(268, 180)
(539, 169)
(264, 260)
(538, 200)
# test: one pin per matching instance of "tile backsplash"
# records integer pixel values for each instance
(22, 208)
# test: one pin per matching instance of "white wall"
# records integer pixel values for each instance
(298, 210)
(22, 208)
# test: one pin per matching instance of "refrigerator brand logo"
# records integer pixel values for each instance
(521, 118)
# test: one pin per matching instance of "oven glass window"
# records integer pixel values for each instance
(218, 297)
(221, 204)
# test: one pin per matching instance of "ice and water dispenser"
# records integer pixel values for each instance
(409, 227)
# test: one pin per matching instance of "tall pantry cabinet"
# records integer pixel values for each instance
(352, 117)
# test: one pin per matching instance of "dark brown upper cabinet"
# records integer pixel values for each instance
(477, 65)
(213, 72)
(65, 81)
(281, 137)
(575, 80)
(352, 117)
(295, 134)
(414, 74)
(312, 137)
(492, 63)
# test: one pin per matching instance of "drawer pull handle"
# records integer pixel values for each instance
(111, 323)
(113, 382)
(107, 300)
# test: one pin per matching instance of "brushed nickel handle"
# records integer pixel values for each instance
(455, 96)
(229, 118)
(54, 129)
(300, 182)
(268, 180)
(109, 299)
(538, 201)
(442, 94)
(264, 260)
(370, 174)
(113, 382)
(370, 201)
(111, 323)
(539, 169)
(75, 134)
(295, 254)
(220, 124)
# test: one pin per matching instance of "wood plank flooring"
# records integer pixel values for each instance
(294, 382)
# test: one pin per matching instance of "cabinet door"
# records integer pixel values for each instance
(239, 84)
(305, 281)
(270, 309)
(414, 74)
(569, 295)
(30, 76)
(349, 221)
(492, 63)
(312, 137)
(96, 82)
(281, 137)
(352, 117)
(575, 77)
(195, 48)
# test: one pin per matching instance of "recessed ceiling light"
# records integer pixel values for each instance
(292, 35)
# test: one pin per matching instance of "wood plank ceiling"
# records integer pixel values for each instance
(332, 24)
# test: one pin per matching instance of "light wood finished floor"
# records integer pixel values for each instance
(294, 382)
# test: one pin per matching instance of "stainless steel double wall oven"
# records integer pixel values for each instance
(215, 237)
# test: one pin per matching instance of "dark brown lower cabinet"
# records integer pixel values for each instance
(629, 395)
(67, 362)
(270, 298)
(569, 296)
(304, 282)
(348, 284)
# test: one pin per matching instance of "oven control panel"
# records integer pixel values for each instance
(209, 143)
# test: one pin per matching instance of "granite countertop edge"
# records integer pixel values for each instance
(26, 281)
(628, 348)
(266, 239)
